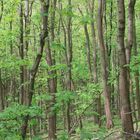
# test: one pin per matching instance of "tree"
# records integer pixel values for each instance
(137, 71)
(21, 53)
(66, 73)
(34, 69)
(94, 46)
(69, 62)
(126, 115)
(105, 69)
(52, 80)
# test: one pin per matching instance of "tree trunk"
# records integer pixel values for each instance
(69, 64)
(126, 115)
(130, 29)
(21, 52)
(88, 51)
(105, 69)
(52, 91)
(2, 10)
(95, 72)
(52, 80)
(87, 45)
(34, 69)
(1, 93)
(137, 71)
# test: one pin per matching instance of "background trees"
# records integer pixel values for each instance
(69, 69)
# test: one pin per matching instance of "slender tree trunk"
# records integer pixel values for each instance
(34, 69)
(1, 93)
(106, 26)
(11, 43)
(27, 31)
(95, 72)
(69, 64)
(88, 51)
(21, 52)
(131, 15)
(111, 63)
(2, 9)
(107, 46)
(111, 27)
(52, 80)
(105, 69)
(66, 61)
(26, 25)
(52, 91)
(126, 115)
(137, 71)
(87, 45)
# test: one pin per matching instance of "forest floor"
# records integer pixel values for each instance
(91, 131)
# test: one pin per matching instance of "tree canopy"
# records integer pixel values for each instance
(69, 69)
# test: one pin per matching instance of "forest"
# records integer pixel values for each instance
(69, 70)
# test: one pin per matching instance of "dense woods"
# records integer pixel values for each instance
(69, 70)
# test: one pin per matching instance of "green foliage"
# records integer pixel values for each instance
(85, 91)
(90, 131)
(11, 120)
(134, 64)
(85, 19)
(58, 47)
(80, 71)
(85, 135)
(100, 134)
(86, 97)
(63, 136)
